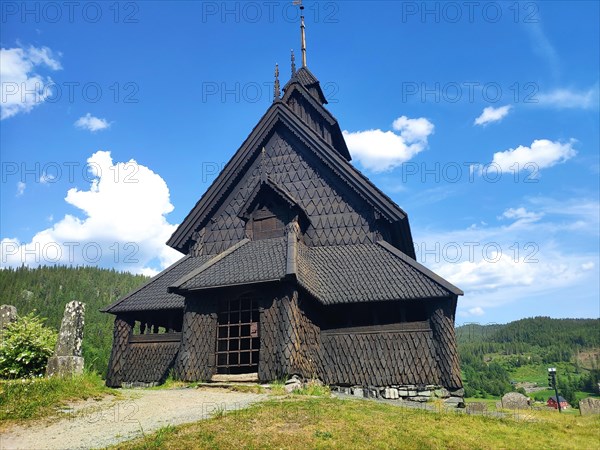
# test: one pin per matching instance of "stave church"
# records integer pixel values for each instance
(295, 264)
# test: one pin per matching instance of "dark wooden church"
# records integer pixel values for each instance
(296, 264)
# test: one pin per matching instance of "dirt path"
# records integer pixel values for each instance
(97, 424)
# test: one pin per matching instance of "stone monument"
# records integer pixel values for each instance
(8, 314)
(67, 359)
(589, 406)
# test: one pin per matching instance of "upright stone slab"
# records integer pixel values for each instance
(68, 359)
(8, 314)
(589, 406)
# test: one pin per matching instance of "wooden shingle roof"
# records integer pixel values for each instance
(333, 274)
(366, 273)
(246, 262)
(153, 295)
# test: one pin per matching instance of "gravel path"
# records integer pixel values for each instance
(97, 424)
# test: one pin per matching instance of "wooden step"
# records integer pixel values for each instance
(237, 378)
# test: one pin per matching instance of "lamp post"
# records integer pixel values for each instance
(552, 384)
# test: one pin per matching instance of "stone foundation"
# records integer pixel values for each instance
(139, 384)
(408, 392)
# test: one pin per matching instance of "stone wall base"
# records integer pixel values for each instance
(139, 384)
(63, 366)
(409, 392)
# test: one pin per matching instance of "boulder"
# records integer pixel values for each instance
(515, 400)
(293, 384)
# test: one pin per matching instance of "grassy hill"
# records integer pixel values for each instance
(47, 290)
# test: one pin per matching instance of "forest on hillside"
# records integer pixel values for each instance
(47, 290)
(491, 355)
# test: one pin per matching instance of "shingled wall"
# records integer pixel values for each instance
(405, 354)
(196, 358)
(380, 359)
(442, 324)
(149, 362)
(290, 342)
(118, 357)
(339, 216)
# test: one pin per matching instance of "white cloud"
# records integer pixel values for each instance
(20, 188)
(547, 251)
(476, 311)
(123, 225)
(91, 123)
(541, 154)
(521, 215)
(46, 178)
(379, 150)
(570, 98)
(491, 114)
(22, 87)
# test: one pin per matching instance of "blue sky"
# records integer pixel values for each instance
(480, 120)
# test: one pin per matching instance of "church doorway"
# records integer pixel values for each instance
(238, 339)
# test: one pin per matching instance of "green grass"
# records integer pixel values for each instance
(319, 422)
(538, 373)
(277, 387)
(314, 388)
(39, 397)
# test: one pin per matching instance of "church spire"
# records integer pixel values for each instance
(303, 36)
(276, 86)
(293, 63)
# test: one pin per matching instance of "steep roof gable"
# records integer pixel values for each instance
(294, 89)
(280, 115)
(305, 77)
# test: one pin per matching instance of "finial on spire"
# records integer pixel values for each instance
(293, 63)
(303, 42)
(276, 86)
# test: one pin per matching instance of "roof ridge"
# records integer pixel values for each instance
(175, 286)
(420, 267)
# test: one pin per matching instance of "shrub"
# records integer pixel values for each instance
(26, 346)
